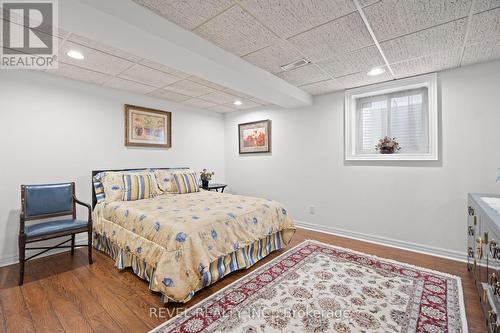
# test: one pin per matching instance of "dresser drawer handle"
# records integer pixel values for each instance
(470, 230)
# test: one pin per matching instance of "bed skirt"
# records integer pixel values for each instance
(240, 259)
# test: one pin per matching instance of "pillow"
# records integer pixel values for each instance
(114, 186)
(185, 183)
(164, 178)
(137, 187)
(98, 187)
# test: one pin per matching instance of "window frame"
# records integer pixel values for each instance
(351, 122)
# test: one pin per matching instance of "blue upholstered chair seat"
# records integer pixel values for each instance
(50, 227)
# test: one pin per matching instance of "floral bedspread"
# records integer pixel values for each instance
(181, 234)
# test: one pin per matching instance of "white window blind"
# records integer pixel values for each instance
(402, 115)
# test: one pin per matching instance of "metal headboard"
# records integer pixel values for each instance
(95, 172)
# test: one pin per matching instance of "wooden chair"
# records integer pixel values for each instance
(47, 202)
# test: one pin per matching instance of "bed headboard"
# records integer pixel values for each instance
(95, 172)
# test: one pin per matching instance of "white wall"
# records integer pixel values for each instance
(57, 130)
(417, 202)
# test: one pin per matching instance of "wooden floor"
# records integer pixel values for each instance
(62, 293)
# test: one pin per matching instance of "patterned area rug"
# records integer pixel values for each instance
(316, 287)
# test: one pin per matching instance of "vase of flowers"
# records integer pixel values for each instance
(206, 176)
(387, 145)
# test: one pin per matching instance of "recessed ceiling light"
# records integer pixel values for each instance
(75, 55)
(237, 102)
(376, 71)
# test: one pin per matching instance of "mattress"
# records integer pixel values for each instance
(181, 243)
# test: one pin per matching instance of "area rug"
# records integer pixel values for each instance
(316, 287)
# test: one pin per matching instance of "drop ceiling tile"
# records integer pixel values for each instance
(199, 103)
(163, 68)
(303, 75)
(206, 83)
(482, 5)
(237, 93)
(237, 32)
(186, 13)
(219, 97)
(246, 104)
(433, 40)
(259, 101)
(94, 60)
(102, 47)
(78, 73)
(132, 86)
(221, 109)
(485, 25)
(290, 17)
(353, 62)
(427, 64)
(169, 95)
(190, 88)
(273, 57)
(323, 87)
(393, 18)
(361, 79)
(481, 52)
(345, 34)
(148, 76)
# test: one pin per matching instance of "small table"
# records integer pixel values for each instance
(215, 187)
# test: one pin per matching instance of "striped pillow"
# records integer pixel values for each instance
(137, 187)
(185, 182)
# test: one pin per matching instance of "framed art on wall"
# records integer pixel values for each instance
(146, 127)
(255, 137)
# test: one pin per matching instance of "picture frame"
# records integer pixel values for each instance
(146, 127)
(254, 137)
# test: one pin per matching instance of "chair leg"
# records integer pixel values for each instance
(22, 250)
(90, 247)
(73, 244)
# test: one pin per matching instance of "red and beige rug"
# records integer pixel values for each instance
(316, 287)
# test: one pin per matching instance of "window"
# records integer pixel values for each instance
(404, 109)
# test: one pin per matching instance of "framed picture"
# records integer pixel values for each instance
(146, 127)
(255, 137)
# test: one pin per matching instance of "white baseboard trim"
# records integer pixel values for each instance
(14, 258)
(398, 244)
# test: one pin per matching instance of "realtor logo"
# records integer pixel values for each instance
(28, 34)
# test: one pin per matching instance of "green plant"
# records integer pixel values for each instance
(206, 175)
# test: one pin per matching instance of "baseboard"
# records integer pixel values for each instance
(14, 258)
(398, 244)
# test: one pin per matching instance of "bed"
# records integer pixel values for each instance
(182, 243)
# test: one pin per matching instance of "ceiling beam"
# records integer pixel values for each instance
(132, 28)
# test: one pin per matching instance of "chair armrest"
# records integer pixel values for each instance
(86, 205)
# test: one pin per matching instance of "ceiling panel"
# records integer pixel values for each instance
(361, 79)
(485, 25)
(219, 97)
(148, 76)
(190, 88)
(132, 86)
(433, 40)
(353, 62)
(393, 18)
(78, 73)
(206, 83)
(290, 17)
(304, 75)
(325, 42)
(94, 60)
(427, 64)
(246, 104)
(160, 67)
(102, 47)
(480, 52)
(322, 87)
(186, 13)
(482, 5)
(199, 103)
(169, 95)
(221, 109)
(274, 56)
(237, 93)
(236, 31)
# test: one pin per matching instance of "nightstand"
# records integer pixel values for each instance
(215, 187)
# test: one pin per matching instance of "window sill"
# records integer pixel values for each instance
(392, 157)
